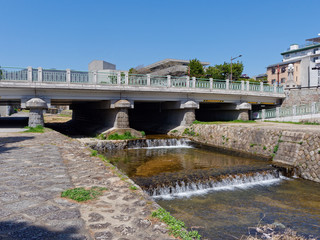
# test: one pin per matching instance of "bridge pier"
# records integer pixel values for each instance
(36, 106)
(122, 116)
(243, 109)
(189, 115)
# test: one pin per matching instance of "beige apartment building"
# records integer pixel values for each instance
(278, 73)
(306, 65)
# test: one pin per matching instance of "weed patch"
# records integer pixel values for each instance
(94, 153)
(125, 136)
(81, 194)
(222, 122)
(176, 227)
(299, 123)
(132, 187)
(189, 132)
(37, 129)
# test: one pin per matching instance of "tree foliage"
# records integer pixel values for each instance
(223, 71)
(133, 71)
(195, 69)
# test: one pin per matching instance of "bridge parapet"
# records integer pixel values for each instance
(100, 78)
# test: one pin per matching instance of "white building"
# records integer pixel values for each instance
(308, 56)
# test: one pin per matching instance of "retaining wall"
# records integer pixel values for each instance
(295, 148)
(302, 96)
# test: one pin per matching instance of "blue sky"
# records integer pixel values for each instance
(69, 34)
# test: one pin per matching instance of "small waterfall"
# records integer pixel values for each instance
(160, 143)
(227, 182)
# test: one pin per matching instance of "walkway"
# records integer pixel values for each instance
(36, 168)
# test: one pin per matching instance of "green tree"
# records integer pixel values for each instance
(133, 71)
(195, 68)
(223, 71)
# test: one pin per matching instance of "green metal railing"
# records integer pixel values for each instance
(79, 77)
(317, 107)
(307, 109)
(254, 87)
(219, 84)
(268, 88)
(285, 111)
(137, 79)
(202, 83)
(235, 85)
(114, 78)
(107, 78)
(270, 113)
(180, 82)
(303, 110)
(158, 81)
(14, 74)
(54, 76)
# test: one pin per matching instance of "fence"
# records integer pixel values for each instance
(283, 112)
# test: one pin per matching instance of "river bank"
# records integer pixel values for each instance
(294, 145)
(36, 168)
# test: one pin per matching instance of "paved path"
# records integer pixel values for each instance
(36, 168)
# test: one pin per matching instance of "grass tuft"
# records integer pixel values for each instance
(223, 122)
(37, 129)
(176, 227)
(81, 194)
(132, 187)
(298, 123)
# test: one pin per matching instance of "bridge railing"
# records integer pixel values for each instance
(291, 111)
(14, 74)
(106, 77)
(180, 82)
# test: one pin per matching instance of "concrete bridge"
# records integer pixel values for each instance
(115, 99)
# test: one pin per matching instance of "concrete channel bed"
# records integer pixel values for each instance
(36, 168)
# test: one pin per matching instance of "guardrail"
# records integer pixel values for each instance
(282, 112)
(123, 78)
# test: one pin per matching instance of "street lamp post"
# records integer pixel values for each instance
(231, 65)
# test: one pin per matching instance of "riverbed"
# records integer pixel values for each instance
(222, 196)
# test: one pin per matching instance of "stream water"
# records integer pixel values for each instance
(220, 195)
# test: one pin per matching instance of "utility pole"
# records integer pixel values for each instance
(231, 66)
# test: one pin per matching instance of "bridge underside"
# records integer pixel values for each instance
(153, 116)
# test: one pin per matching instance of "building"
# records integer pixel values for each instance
(97, 65)
(305, 60)
(261, 77)
(168, 66)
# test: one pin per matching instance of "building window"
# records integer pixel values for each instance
(288, 55)
(283, 80)
(314, 59)
(283, 69)
(273, 81)
(314, 51)
(273, 70)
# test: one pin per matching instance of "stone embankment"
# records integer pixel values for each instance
(36, 168)
(294, 145)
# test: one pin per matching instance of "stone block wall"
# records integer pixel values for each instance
(295, 148)
(302, 96)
